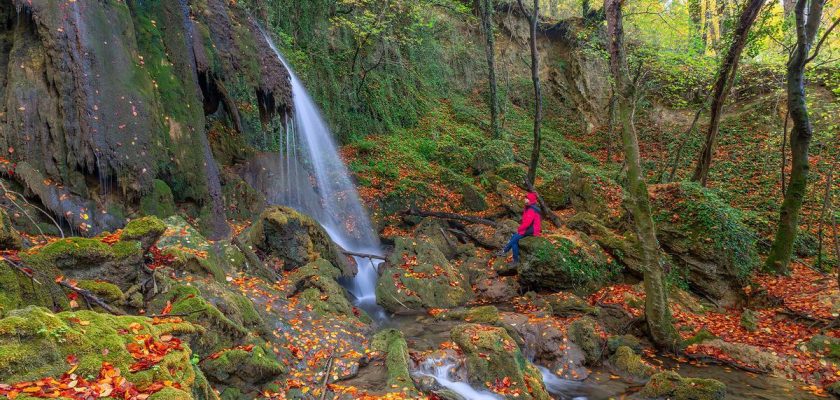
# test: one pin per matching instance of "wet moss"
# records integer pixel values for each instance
(700, 337)
(493, 155)
(392, 343)
(256, 366)
(159, 201)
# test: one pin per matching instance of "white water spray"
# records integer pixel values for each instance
(441, 370)
(314, 180)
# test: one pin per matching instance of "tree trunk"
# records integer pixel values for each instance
(657, 311)
(534, 19)
(487, 8)
(807, 25)
(723, 83)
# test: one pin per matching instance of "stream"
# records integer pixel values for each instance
(424, 333)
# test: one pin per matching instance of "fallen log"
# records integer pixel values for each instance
(363, 255)
(451, 216)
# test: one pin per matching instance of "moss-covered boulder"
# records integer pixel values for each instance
(563, 263)
(623, 247)
(391, 343)
(549, 345)
(565, 304)
(584, 333)
(417, 276)
(493, 155)
(146, 230)
(834, 389)
(243, 366)
(493, 356)
(630, 341)
(707, 238)
(436, 232)
(592, 192)
(671, 385)
(630, 365)
(158, 202)
(91, 259)
(35, 343)
(749, 320)
(104, 290)
(555, 192)
(296, 239)
(318, 289)
(513, 173)
(18, 290)
(9, 238)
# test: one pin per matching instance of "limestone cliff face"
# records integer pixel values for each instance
(110, 95)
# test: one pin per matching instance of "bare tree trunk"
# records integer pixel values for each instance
(611, 128)
(723, 83)
(487, 8)
(534, 19)
(807, 25)
(657, 310)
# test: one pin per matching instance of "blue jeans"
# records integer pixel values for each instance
(514, 245)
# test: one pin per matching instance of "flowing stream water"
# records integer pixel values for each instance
(313, 179)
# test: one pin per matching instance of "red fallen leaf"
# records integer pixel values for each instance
(59, 278)
(72, 359)
(167, 309)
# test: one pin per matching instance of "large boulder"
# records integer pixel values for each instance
(494, 362)
(437, 232)
(80, 258)
(594, 193)
(35, 344)
(549, 346)
(707, 238)
(296, 239)
(392, 344)
(417, 275)
(563, 263)
(146, 230)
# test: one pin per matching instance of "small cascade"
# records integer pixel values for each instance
(562, 388)
(442, 371)
(313, 179)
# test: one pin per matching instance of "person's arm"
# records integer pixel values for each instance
(527, 220)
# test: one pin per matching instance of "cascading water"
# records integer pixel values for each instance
(441, 370)
(313, 179)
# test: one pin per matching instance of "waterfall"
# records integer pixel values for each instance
(441, 370)
(313, 179)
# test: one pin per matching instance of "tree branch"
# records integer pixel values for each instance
(822, 40)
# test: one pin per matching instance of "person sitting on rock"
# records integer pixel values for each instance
(530, 226)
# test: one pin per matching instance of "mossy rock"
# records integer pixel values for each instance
(478, 315)
(587, 192)
(671, 385)
(241, 367)
(834, 389)
(700, 337)
(391, 343)
(9, 238)
(627, 363)
(90, 259)
(555, 192)
(189, 261)
(296, 239)
(560, 263)
(565, 304)
(830, 346)
(474, 199)
(106, 291)
(146, 230)
(221, 331)
(583, 333)
(707, 238)
(454, 157)
(159, 202)
(35, 343)
(493, 155)
(417, 276)
(18, 290)
(436, 232)
(630, 341)
(492, 355)
(513, 173)
(244, 203)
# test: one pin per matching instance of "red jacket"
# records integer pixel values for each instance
(531, 217)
